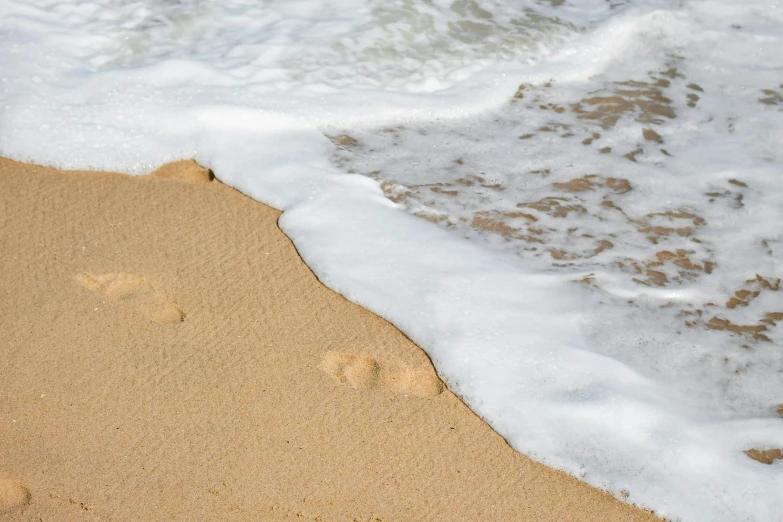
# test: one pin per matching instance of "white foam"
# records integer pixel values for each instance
(571, 376)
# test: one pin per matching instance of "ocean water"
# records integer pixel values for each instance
(573, 206)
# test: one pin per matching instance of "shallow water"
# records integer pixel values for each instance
(572, 207)
(597, 182)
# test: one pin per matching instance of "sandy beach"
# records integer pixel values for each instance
(165, 354)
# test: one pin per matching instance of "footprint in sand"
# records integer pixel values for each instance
(361, 372)
(135, 290)
(13, 496)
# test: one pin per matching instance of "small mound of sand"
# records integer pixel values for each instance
(12, 496)
(185, 170)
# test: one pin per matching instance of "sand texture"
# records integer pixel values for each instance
(166, 355)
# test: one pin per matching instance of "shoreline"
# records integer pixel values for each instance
(170, 356)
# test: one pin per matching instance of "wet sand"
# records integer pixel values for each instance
(166, 355)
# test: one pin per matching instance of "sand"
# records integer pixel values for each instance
(166, 355)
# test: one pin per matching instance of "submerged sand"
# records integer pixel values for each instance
(166, 355)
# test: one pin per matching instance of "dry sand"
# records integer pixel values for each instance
(166, 355)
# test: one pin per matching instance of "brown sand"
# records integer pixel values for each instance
(166, 355)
